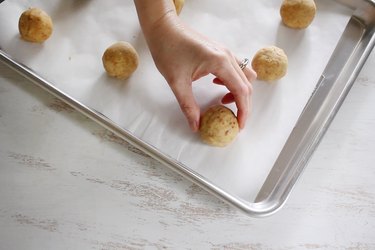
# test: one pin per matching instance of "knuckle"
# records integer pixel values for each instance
(250, 89)
(227, 52)
(241, 90)
(220, 56)
(244, 90)
(171, 79)
(188, 109)
(219, 61)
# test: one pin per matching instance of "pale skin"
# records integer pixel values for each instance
(193, 56)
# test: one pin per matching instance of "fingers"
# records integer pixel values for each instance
(238, 87)
(250, 74)
(184, 95)
(238, 82)
(251, 77)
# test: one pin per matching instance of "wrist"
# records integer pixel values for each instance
(155, 13)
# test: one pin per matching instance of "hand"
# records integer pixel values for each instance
(183, 56)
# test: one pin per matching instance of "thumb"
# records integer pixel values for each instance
(184, 95)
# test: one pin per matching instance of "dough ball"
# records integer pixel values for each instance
(178, 4)
(120, 60)
(35, 25)
(297, 14)
(270, 63)
(218, 126)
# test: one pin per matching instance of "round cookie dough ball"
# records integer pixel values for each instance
(120, 60)
(35, 25)
(270, 63)
(178, 4)
(218, 126)
(297, 14)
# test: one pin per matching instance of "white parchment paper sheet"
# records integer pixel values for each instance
(144, 104)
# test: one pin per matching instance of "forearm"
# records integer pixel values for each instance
(152, 13)
(161, 26)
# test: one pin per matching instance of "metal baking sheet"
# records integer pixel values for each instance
(255, 173)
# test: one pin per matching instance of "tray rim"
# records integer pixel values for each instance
(287, 169)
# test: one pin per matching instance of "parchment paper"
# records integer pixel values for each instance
(144, 104)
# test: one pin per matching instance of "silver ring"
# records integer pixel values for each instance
(244, 63)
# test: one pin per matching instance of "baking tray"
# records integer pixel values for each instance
(345, 63)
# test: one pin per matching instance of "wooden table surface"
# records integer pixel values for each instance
(67, 183)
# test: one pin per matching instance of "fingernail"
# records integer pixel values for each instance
(241, 121)
(193, 126)
(241, 125)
